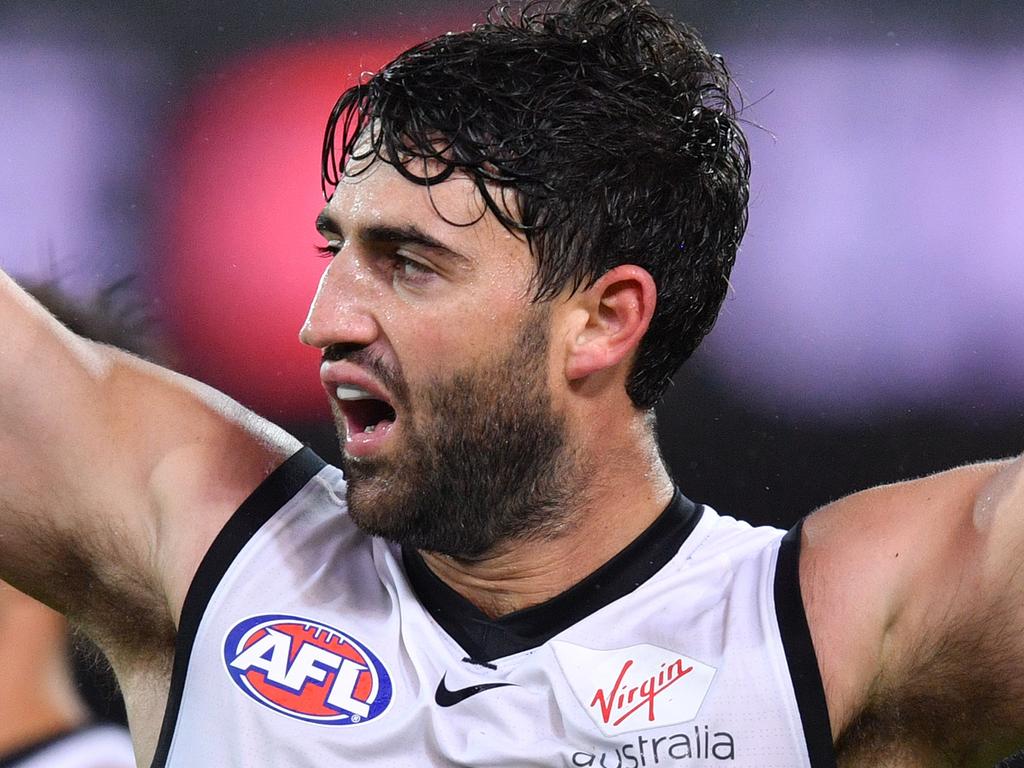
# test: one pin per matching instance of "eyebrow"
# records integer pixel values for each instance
(408, 234)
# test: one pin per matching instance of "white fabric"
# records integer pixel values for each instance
(106, 746)
(709, 611)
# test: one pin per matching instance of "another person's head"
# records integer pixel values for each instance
(111, 315)
(537, 214)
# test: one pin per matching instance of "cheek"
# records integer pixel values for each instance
(459, 335)
(428, 350)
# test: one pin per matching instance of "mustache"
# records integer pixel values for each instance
(390, 375)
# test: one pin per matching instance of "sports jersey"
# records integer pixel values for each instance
(305, 643)
(93, 746)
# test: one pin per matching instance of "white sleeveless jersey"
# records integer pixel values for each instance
(306, 644)
(94, 746)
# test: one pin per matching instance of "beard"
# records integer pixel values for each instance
(487, 462)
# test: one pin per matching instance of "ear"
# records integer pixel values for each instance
(611, 318)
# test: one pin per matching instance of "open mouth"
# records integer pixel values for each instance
(364, 414)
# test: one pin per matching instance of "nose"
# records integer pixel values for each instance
(341, 310)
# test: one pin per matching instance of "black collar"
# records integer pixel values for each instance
(486, 639)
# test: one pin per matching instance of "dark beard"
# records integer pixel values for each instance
(491, 466)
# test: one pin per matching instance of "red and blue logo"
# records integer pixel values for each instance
(307, 670)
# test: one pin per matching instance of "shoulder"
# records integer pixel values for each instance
(884, 575)
(210, 456)
(227, 454)
(717, 533)
(235, 498)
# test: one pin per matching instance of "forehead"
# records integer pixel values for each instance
(373, 194)
(377, 187)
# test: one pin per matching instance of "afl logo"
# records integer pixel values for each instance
(307, 670)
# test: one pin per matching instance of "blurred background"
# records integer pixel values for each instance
(875, 326)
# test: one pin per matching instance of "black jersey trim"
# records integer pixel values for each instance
(800, 655)
(11, 759)
(273, 493)
(486, 639)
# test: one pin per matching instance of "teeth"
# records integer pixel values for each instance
(352, 392)
(370, 428)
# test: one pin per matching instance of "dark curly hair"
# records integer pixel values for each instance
(602, 131)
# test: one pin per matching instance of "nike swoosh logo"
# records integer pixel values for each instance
(448, 698)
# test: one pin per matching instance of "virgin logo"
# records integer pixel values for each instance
(630, 689)
(622, 700)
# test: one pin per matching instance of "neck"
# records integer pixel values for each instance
(627, 492)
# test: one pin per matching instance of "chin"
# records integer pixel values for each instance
(370, 498)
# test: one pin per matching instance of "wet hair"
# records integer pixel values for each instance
(602, 131)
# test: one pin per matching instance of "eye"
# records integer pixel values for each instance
(410, 270)
(328, 250)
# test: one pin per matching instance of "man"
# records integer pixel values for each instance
(532, 227)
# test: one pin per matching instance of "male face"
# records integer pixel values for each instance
(438, 368)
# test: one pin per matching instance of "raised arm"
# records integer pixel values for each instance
(915, 596)
(116, 476)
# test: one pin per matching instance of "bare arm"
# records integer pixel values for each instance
(116, 473)
(915, 595)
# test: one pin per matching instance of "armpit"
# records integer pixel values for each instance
(958, 701)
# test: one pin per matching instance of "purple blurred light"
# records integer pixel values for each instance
(884, 262)
(73, 133)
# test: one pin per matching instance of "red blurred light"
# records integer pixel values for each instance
(242, 190)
